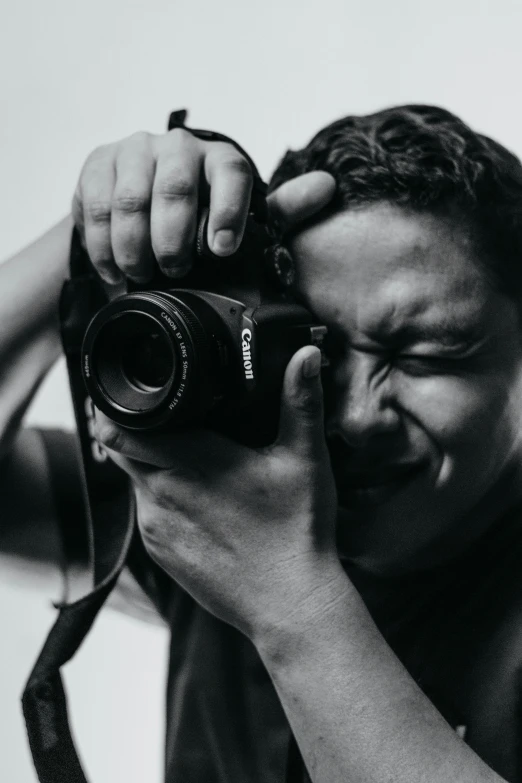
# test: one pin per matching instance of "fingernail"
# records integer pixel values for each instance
(312, 365)
(177, 271)
(224, 242)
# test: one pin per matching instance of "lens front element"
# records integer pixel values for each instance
(148, 361)
(144, 357)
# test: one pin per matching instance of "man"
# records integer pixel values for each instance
(360, 579)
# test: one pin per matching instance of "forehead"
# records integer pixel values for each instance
(381, 265)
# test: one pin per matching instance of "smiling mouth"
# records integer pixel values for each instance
(370, 488)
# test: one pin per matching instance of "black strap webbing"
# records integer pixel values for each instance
(110, 511)
(67, 492)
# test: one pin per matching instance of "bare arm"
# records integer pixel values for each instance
(30, 285)
(357, 714)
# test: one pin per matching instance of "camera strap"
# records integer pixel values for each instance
(110, 510)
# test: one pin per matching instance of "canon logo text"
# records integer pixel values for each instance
(246, 336)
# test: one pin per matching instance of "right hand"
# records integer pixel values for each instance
(136, 202)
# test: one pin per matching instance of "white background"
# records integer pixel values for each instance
(74, 75)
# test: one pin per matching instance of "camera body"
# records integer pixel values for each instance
(211, 351)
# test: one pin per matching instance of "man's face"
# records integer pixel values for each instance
(424, 395)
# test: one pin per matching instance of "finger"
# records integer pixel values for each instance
(137, 471)
(174, 207)
(96, 188)
(130, 231)
(181, 450)
(301, 426)
(77, 213)
(144, 447)
(300, 198)
(230, 178)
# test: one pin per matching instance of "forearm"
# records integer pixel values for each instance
(357, 715)
(30, 285)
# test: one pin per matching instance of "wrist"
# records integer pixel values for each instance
(304, 609)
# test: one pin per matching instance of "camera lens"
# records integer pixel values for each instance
(148, 362)
(152, 357)
(134, 362)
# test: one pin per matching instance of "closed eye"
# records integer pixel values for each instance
(425, 364)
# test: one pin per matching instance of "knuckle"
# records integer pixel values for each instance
(179, 136)
(159, 490)
(97, 211)
(175, 183)
(307, 402)
(109, 435)
(140, 137)
(77, 208)
(239, 165)
(168, 250)
(148, 524)
(130, 202)
(98, 154)
(167, 246)
(232, 160)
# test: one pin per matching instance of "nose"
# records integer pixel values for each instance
(363, 405)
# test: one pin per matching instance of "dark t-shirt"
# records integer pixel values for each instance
(457, 629)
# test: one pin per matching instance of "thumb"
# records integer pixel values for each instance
(300, 198)
(301, 424)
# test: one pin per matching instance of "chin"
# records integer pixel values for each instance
(378, 542)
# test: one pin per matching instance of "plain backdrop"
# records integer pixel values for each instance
(75, 75)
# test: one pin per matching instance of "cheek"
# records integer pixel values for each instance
(456, 411)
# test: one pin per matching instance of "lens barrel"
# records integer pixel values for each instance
(150, 357)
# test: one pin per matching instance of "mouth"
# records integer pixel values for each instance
(358, 489)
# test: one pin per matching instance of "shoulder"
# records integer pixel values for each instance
(31, 549)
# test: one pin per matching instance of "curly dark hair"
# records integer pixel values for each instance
(426, 159)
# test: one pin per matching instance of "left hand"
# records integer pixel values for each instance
(249, 533)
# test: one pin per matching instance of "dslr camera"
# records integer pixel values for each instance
(207, 350)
